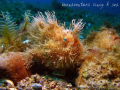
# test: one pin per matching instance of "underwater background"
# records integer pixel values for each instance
(94, 13)
(60, 44)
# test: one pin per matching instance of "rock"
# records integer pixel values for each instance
(36, 86)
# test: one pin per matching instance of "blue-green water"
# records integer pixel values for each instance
(94, 13)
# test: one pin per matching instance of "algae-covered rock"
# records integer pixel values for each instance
(12, 66)
(101, 70)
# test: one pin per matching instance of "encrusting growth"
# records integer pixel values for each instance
(55, 46)
(101, 69)
(106, 38)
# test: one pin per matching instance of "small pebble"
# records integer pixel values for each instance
(50, 79)
(12, 88)
(36, 86)
(27, 78)
(52, 84)
(22, 85)
(36, 82)
(69, 85)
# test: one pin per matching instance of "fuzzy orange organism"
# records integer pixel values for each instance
(12, 66)
(105, 39)
(57, 47)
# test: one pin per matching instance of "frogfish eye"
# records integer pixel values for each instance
(64, 39)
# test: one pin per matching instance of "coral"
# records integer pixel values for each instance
(12, 66)
(104, 39)
(26, 23)
(55, 46)
(10, 39)
(24, 26)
